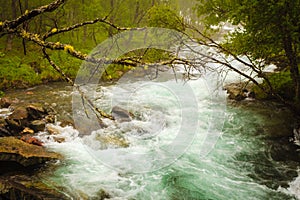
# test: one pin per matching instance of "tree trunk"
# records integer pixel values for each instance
(291, 54)
(9, 41)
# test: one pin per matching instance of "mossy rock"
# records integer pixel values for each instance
(22, 186)
(15, 150)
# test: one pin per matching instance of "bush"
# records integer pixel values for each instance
(282, 84)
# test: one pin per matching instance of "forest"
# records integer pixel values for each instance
(149, 99)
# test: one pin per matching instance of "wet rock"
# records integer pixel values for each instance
(113, 140)
(59, 139)
(3, 128)
(120, 114)
(23, 116)
(36, 111)
(27, 131)
(50, 118)
(239, 91)
(283, 150)
(101, 195)
(4, 132)
(65, 123)
(31, 140)
(19, 186)
(19, 113)
(52, 130)
(5, 102)
(37, 125)
(17, 121)
(15, 150)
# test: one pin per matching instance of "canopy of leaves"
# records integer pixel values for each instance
(262, 24)
(165, 17)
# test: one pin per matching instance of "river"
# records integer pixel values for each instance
(245, 159)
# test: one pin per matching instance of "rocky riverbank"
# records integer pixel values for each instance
(21, 154)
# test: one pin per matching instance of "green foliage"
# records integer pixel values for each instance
(265, 24)
(281, 83)
(268, 31)
(17, 70)
(164, 17)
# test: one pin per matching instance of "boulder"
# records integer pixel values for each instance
(19, 113)
(31, 140)
(5, 102)
(120, 114)
(37, 125)
(36, 111)
(33, 116)
(114, 141)
(239, 91)
(52, 130)
(21, 186)
(17, 121)
(15, 150)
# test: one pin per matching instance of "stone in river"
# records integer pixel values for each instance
(120, 114)
(36, 111)
(37, 125)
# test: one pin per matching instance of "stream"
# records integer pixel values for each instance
(246, 160)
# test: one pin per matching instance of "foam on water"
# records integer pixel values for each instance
(208, 161)
(218, 175)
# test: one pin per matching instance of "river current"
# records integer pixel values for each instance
(242, 161)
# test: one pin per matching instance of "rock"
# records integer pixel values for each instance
(3, 128)
(52, 130)
(36, 111)
(27, 131)
(65, 123)
(20, 186)
(5, 102)
(4, 132)
(31, 140)
(59, 139)
(102, 195)
(113, 140)
(239, 91)
(50, 118)
(38, 125)
(120, 114)
(15, 150)
(19, 113)
(17, 121)
(283, 150)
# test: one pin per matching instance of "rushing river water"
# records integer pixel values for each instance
(244, 163)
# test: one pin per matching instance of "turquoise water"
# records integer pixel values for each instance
(233, 151)
(244, 163)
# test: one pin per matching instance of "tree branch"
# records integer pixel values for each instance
(31, 14)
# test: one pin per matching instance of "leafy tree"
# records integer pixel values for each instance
(62, 25)
(267, 31)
